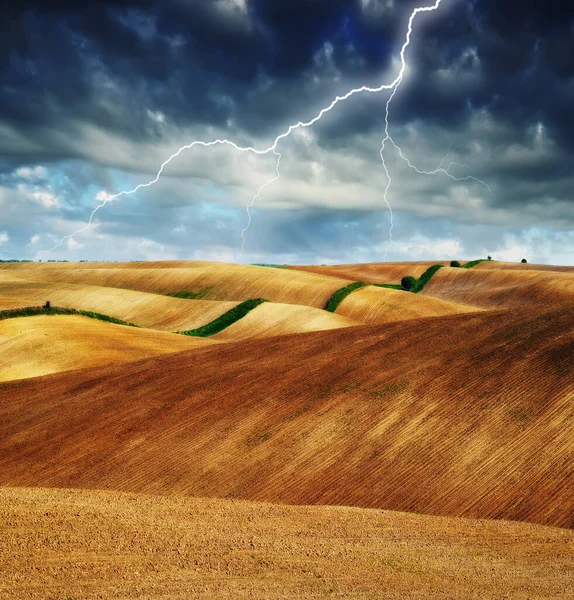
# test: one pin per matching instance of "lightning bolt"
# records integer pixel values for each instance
(441, 169)
(252, 203)
(393, 87)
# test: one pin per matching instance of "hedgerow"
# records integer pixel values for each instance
(32, 311)
(341, 294)
(225, 320)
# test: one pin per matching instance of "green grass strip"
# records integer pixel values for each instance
(390, 286)
(226, 319)
(424, 279)
(473, 263)
(32, 311)
(341, 294)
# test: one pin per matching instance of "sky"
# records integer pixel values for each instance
(97, 95)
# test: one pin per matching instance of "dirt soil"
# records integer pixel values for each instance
(82, 545)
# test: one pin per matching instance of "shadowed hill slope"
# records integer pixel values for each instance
(38, 345)
(461, 415)
(110, 545)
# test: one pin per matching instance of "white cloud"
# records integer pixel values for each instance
(232, 6)
(36, 172)
(537, 246)
(34, 239)
(46, 199)
(424, 247)
(73, 245)
(103, 196)
(4, 237)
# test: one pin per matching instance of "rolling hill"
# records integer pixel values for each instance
(371, 272)
(38, 345)
(323, 440)
(213, 281)
(458, 415)
(501, 288)
(374, 305)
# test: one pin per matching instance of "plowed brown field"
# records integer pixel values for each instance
(465, 415)
(495, 264)
(501, 288)
(57, 544)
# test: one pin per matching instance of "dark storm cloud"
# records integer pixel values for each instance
(104, 63)
(88, 85)
(523, 53)
(45, 46)
(107, 62)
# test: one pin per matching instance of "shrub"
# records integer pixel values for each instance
(523, 260)
(454, 263)
(47, 305)
(489, 257)
(408, 283)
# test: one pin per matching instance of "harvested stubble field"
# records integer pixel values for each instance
(454, 402)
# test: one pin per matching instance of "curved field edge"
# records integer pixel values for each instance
(148, 310)
(421, 282)
(342, 293)
(416, 286)
(44, 344)
(34, 311)
(271, 319)
(225, 320)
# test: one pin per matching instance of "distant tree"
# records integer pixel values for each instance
(408, 282)
(454, 263)
(523, 260)
(47, 305)
(489, 257)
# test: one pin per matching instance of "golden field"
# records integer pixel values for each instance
(403, 445)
